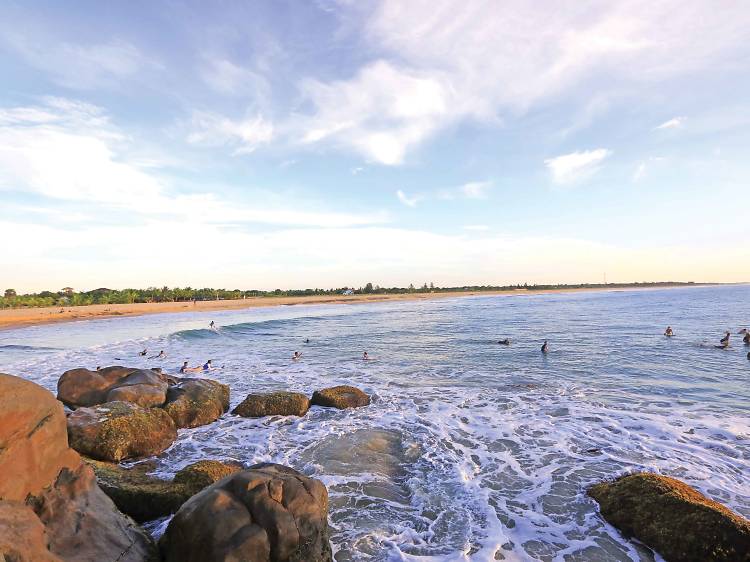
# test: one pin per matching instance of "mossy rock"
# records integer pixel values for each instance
(196, 402)
(273, 404)
(340, 397)
(120, 430)
(202, 474)
(674, 519)
(145, 497)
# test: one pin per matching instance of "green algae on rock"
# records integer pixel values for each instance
(280, 403)
(674, 519)
(340, 397)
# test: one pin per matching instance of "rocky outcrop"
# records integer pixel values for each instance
(273, 404)
(674, 519)
(145, 497)
(120, 430)
(269, 512)
(340, 397)
(82, 388)
(196, 402)
(50, 506)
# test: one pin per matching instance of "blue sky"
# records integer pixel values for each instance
(294, 144)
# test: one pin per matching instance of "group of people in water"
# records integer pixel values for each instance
(723, 342)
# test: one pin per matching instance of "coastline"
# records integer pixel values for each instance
(22, 317)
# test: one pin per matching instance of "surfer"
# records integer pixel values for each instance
(143, 353)
(296, 355)
(207, 366)
(545, 347)
(365, 357)
(669, 332)
(724, 342)
(198, 369)
(161, 355)
(212, 325)
(307, 340)
(746, 339)
(506, 341)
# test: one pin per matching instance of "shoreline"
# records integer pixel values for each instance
(23, 317)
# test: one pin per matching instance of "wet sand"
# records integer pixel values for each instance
(16, 317)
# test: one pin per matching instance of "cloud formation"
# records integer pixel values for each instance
(576, 166)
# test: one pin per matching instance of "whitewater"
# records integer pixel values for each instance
(470, 450)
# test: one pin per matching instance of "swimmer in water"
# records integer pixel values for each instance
(307, 340)
(506, 341)
(143, 353)
(161, 355)
(296, 355)
(724, 342)
(212, 325)
(365, 357)
(545, 347)
(184, 367)
(669, 332)
(207, 366)
(746, 339)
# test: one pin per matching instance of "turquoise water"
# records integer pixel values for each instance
(470, 450)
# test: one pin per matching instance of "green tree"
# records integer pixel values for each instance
(368, 288)
(10, 293)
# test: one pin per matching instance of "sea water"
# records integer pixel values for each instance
(470, 450)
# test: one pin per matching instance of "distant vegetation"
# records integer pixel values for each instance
(69, 297)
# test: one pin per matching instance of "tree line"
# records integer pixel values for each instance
(70, 297)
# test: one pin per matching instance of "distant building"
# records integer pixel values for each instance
(348, 292)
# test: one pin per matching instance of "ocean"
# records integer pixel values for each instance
(470, 450)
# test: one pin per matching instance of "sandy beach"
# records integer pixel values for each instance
(16, 317)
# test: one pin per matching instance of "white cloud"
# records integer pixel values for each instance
(576, 166)
(226, 77)
(674, 123)
(476, 189)
(80, 159)
(406, 200)
(211, 129)
(477, 227)
(440, 62)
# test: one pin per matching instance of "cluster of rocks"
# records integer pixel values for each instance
(57, 506)
(285, 403)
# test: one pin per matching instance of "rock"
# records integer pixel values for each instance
(120, 430)
(81, 387)
(146, 497)
(196, 402)
(143, 387)
(269, 512)
(41, 477)
(23, 537)
(202, 474)
(33, 439)
(83, 524)
(273, 404)
(340, 397)
(677, 521)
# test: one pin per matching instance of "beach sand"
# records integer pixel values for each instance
(16, 317)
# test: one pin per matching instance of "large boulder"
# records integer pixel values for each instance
(33, 439)
(50, 506)
(269, 512)
(114, 431)
(83, 524)
(674, 519)
(273, 404)
(340, 397)
(82, 387)
(196, 402)
(145, 497)
(144, 387)
(23, 537)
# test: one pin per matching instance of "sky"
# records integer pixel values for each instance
(276, 144)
